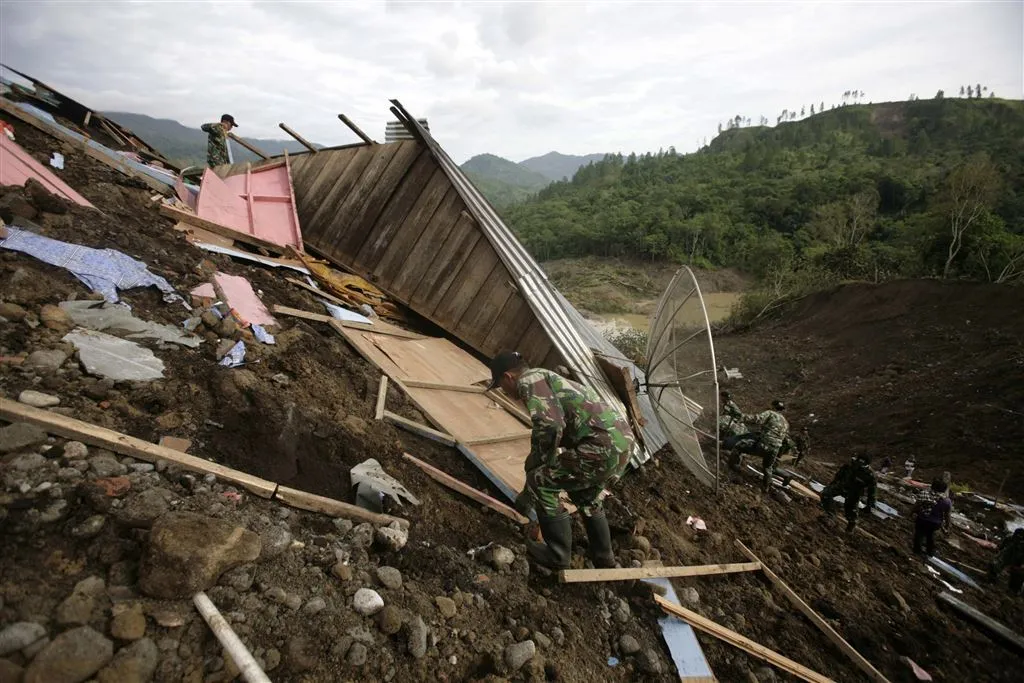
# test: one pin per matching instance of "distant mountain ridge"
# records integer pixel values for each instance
(557, 166)
(187, 146)
(506, 183)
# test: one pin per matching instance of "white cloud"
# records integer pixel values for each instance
(515, 79)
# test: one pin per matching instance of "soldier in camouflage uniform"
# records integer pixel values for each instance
(579, 445)
(853, 480)
(217, 140)
(768, 442)
(729, 422)
(1011, 554)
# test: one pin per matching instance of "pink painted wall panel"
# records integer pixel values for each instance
(17, 166)
(273, 213)
(219, 203)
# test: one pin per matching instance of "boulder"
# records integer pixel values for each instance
(72, 657)
(79, 607)
(518, 654)
(129, 622)
(133, 664)
(19, 635)
(19, 436)
(55, 318)
(45, 360)
(187, 553)
(142, 509)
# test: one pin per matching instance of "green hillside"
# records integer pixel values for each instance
(503, 182)
(187, 146)
(863, 191)
(556, 166)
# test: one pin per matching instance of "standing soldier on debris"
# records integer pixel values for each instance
(852, 481)
(933, 508)
(217, 140)
(1011, 554)
(768, 442)
(802, 442)
(579, 445)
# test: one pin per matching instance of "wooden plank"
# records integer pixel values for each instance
(379, 327)
(334, 508)
(1002, 633)
(383, 231)
(249, 146)
(192, 219)
(70, 428)
(534, 345)
(407, 256)
(291, 199)
(444, 263)
(419, 429)
(419, 384)
(319, 292)
(301, 140)
(55, 132)
(175, 443)
(500, 438)
(382, 395)
(370, 198)
(480, 316)
(514, 409)
(330, 189)
(830, 633)
(450, 303)
(307, 170)
(356, 129)
(467, 490)
(516, 315)
(622, 381)
(590, 575)
(743, 643)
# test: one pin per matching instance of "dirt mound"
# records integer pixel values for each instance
(923, 367)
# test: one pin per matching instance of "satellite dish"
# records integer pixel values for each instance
(682, 378)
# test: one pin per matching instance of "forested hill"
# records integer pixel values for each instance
(863, 191)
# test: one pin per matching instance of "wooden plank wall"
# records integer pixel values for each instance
(390, 214)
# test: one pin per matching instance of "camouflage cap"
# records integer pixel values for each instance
(502, 363)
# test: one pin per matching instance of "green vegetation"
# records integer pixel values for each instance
(905, 189)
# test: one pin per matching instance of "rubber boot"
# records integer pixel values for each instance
(556, 550)
(599, 539)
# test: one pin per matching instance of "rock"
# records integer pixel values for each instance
(356, 654)
(53, 512)
(272, 658)
(46, 360)
(55, 318)
(239, 578)
(314, 606)
(342, 525)
(772, 555)
(620, 611)
(389, 577)
(129, 623)
(689, 596)
(10, 672)
(649, 661)
(78, 607)
(227, 327)
(277, 594)
(133, 664)
(12, 312)
(367, 602)
(498, 556)
(19, 436)
(362, 535)
(106, 466)
(628, 645)
(75, 449)
(68, 475)
(900, 602)
(292, 601)
(766, 674)
(274, 541)
(20, 635)
(518, 654)
(418, 638)
(342, 571)
(446, 606)
(389, 620)
(26, 462)
(392, 537)
(558, 635)
(72, 657)
(142, 509)
(38, 399)
(302, 654)
(109, 487)
(187, 553)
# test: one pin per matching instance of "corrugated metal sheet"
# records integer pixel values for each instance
(396, 130)
(531, 280)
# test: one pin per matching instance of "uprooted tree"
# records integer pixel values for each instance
(971, 191)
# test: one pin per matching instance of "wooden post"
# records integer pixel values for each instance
(1001, 632)
(465, 489)
(862, 664)
(743, 643)
(588, 575)
(240, 655)
(382, 394)
(420, 429)
(303, 141)
(88, 117)
(252, 148)
(356, 129)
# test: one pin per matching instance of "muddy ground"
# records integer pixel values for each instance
(302, 416)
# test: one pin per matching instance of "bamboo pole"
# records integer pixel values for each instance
(588, 575)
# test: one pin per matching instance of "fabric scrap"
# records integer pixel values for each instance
(57, 161)
(234, 357)
(102, 270)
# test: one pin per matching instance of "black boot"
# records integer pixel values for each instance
(556, 550)
(599, 539)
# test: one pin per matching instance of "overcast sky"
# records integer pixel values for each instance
(514, 79)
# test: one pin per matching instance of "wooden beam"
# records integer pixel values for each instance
(192, 219)
(465, 489)
(993, 627)
(356, 129)
(382, 395)
(376, 328)
(830, 633)
(334, 508)
(590, 575)
(743, 643)
(465, 388)
(319, 292)
(249, 146)
(85, 121)
(498, 397)
(301, 140)
(58, 133)
(500, 438)
(419, 429)
(70, 428)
